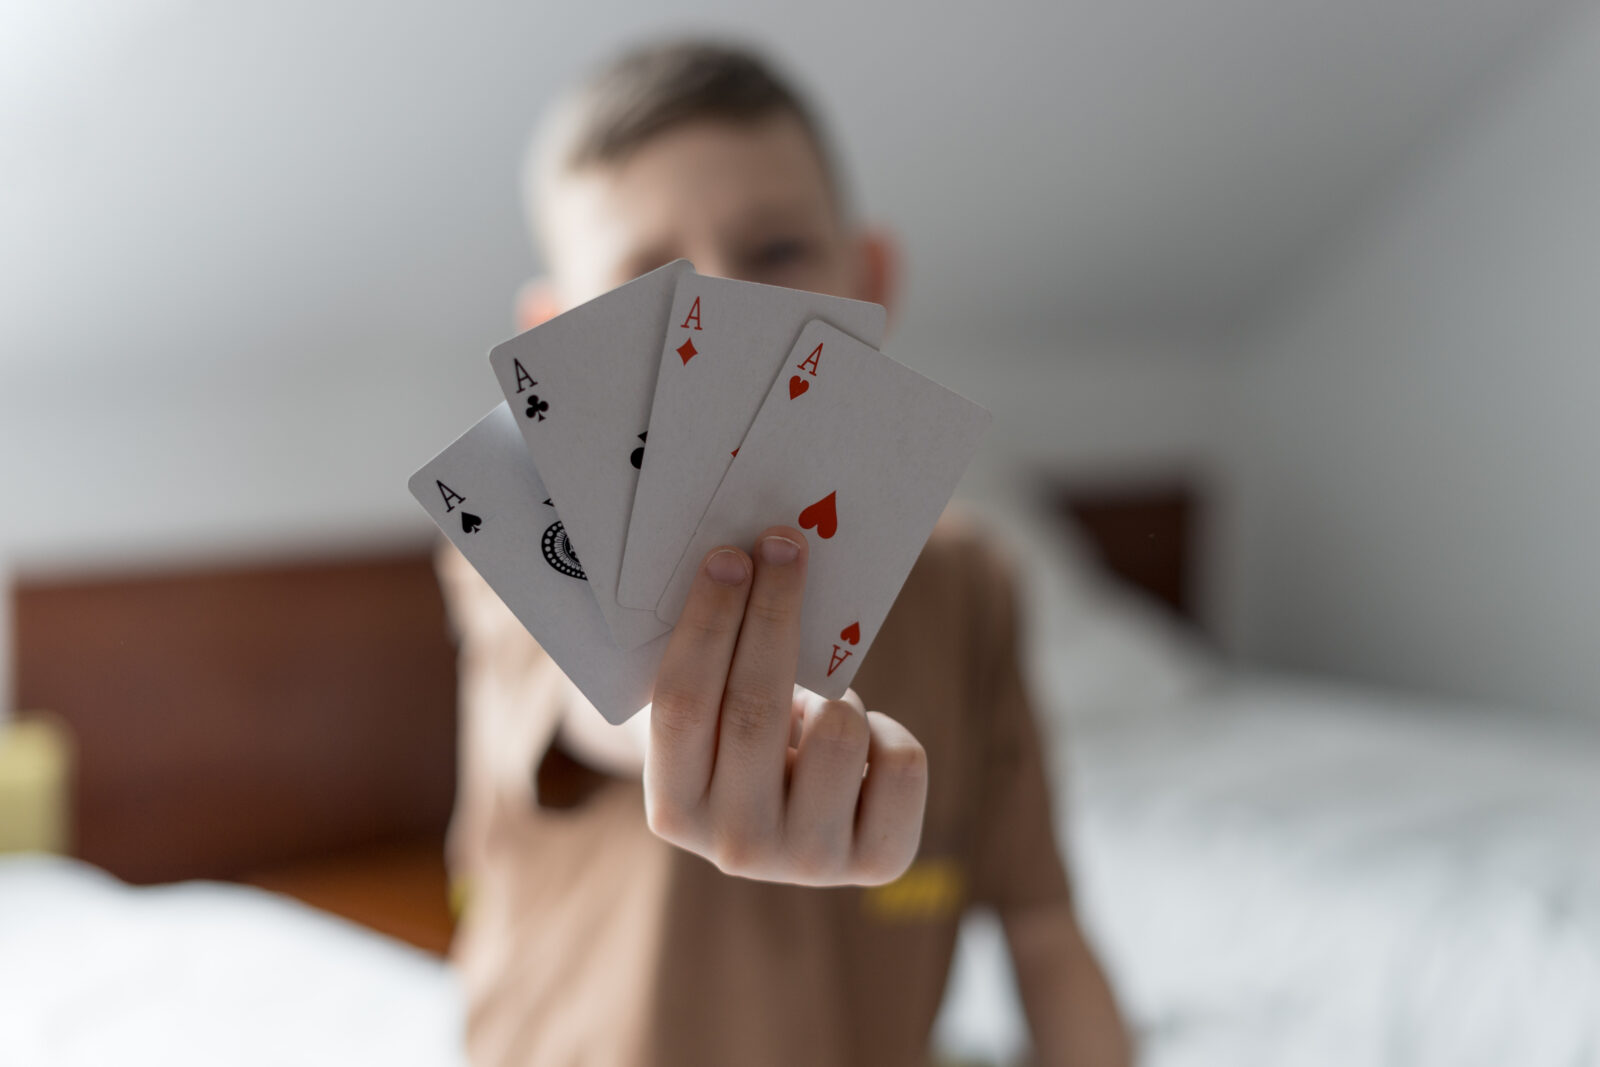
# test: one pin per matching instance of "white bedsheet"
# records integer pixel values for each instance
(1281, 873)
(95, 972)
(1275, 874)
(1289, 874)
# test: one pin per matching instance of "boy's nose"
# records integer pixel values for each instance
(717, 262)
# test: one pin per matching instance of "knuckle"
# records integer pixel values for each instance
(905, 759)
(670, 695)
(838, 723)
(816, 856)
(675, 705)
(738, 851)
(770, 609)
(705, 622)
(885, 856)
(747, 708)
(675, 733)
(882, 867)
(665, 819)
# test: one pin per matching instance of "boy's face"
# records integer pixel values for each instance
(746, 201)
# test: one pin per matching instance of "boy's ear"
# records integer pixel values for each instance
(880, 268)
(536, 303)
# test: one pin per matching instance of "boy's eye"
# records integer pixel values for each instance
(778, 253)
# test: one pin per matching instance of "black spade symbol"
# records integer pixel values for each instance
(637, 459)
(470, 522)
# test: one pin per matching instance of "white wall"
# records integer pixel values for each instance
(1416, 433)
(259, 268)
(1085, 408)
(255, 458)
(268, 457)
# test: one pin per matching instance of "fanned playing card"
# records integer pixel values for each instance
(581, 386)
(485, 494)
(862, 454)
(725, 341)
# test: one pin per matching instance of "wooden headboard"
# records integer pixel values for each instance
(232, 719)
(1146, 533)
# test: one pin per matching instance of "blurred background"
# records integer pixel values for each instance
(1290, 305)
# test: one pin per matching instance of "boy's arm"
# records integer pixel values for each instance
(614, 750)
(526, 731)
(1071, 1011)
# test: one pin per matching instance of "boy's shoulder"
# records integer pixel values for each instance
(966, 561)
(962, 542)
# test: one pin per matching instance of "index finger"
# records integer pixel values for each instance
(747, 778)
(689, 681)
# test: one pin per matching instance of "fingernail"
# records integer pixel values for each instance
(725, 567)
(777, 549)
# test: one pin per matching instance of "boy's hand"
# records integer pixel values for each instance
(842, 806)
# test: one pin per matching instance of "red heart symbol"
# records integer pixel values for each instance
(797, 385)
(823, 516)
(851, 633)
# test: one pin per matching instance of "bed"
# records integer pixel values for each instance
(1276, 871)
(96, 971)
(1283, 871)
(265, 763)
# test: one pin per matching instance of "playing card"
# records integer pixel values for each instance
(580, 386)
(725, 341)
(862, 454)
(485, 494)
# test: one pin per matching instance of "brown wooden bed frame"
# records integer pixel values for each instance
(288, 724)
(292, 725)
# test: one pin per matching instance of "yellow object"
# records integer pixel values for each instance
(35, 765)
(930, 890)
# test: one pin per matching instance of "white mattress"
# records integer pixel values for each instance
(1291, 874)
(96, 972)
(1275, 874)
(1285, 874)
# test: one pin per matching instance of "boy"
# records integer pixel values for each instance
(748, 874)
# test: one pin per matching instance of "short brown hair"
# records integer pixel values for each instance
(649, 90)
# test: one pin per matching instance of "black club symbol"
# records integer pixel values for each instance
(536, 408)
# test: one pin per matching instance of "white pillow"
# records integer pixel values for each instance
(1092, 645)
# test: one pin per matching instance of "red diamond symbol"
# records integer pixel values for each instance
(687, 351)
